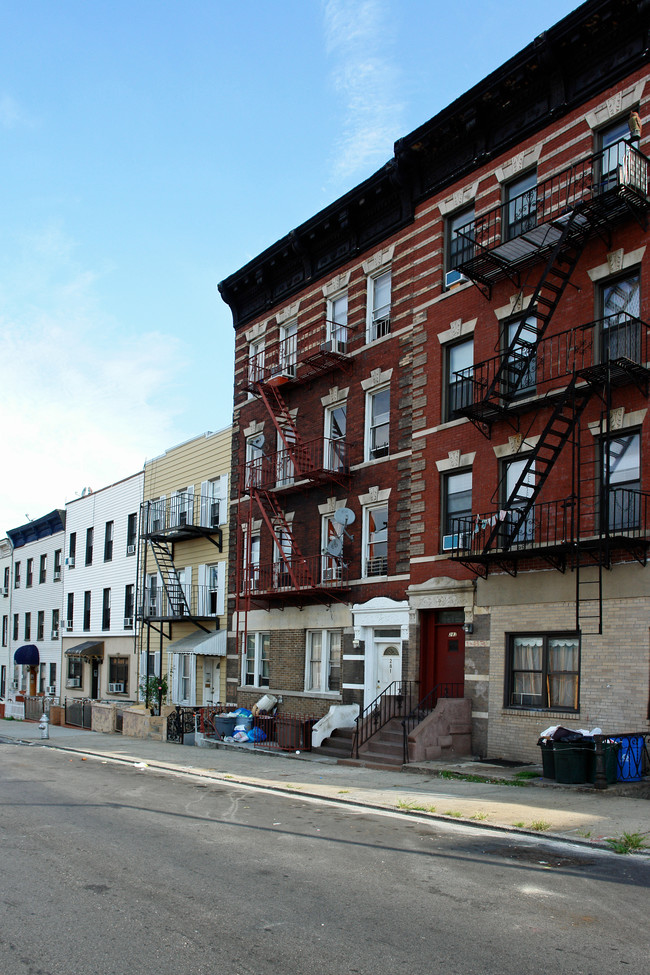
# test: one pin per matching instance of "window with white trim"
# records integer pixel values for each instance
(289, 349)
(256, 660)
(332, 542)
(251, 562)
(458, 379)
(378, 423)
(375, 543)
(457, 502)
(282, 559)
(323, 661)
(337, 323)
(335, 433)
(520, 205)
(255, 363)
(379, 301)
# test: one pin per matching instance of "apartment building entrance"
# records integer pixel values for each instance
(442, 653)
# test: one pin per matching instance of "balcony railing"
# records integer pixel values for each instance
(202, 602)
(620, 513)
(320, 572)
(619, 339)
(618, 170)
(182, 514)
(321, 460)
(315, 348)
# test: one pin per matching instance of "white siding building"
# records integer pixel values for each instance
(5, 613)
(98, 609)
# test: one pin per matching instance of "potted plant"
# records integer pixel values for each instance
(154, 691)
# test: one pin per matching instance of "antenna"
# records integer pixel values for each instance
(345, 516)
(335, 547)
(257, 442)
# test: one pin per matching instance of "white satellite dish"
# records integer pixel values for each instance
(257, 442)
(344, 516)
(335, 547)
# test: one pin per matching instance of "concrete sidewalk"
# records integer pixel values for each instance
(576, 813)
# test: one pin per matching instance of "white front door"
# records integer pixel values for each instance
(388, 661)
(210, 675)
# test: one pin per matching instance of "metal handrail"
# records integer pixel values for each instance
(282, 360)
(323, 457)
(313, 571)
(445, 690)
(393, 702)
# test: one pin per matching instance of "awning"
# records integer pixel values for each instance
(27, 655)
(91, 648)
(206, 644)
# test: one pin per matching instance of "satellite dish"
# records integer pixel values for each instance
(257, 442)
(345, 516)
(335, 547)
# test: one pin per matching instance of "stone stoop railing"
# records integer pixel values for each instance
(445, 732)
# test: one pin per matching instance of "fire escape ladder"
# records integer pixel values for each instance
(515, 526)
(280, 529)
(279, 412)
(174, 589)
(591, 533)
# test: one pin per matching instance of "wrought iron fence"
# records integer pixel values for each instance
(395, 701)
(632, 756)
(184, 721)
(36, 707)
(79, 712)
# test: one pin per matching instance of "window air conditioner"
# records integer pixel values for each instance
(130, 549)
(57, 575)
(452, 278)
(51, 690)
(116, 688)
(69, 561)
(55, 635)
(335, 345)
(128, 622)
(74, 682)
(14, 684)
(69, 624)
(460, 541)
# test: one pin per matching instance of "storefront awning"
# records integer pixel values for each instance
(27, 655)
(205, 644)
(91, 648)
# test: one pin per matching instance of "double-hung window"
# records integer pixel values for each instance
(69, 624)
(523, 528)
(40, 625)
(254, 461)
(337, 323)
(16, 575)
(621, 465)
(75, 672)
(15, 627)
(255, 363)
(55, 626)
(86, 610)
(118, 674)
(129, 603)
(332, 542)
(379, 300)
(520, 206)
(457, 504)
(57, 565)
(543, 671)
(28, 626)
(106, 609)
(611, 147)
(460, 236)
(282, 559)
(42, 572)
(256, 660)
(459, 383)
(5, 630)
(131, 533)
(251, 562)
(378, 423)
(72, 550)
(335, 433)
(323, 661)
(29, 578)
(621, 331)
(89, 546)
(108, 541)
(521, 362)
(288, 349)
(375, 549)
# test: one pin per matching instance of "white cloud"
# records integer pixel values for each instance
(81, 403)
(365, 76)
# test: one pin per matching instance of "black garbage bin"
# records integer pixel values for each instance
(548, 757)
(570, 762)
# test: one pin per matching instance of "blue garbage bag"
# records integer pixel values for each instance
(256, 734)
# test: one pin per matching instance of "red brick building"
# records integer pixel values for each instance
(440, 463)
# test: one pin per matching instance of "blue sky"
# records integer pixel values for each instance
(149, 149)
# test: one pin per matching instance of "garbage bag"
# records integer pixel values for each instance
(256, 734)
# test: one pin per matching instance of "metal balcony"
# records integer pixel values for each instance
(296, 580)
(182, 516)
(318, 461)
(314, 350)
(201, 601)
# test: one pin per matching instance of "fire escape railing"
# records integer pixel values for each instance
(294, 574)
(320, 459)
(312, 349)
(184, 514)
(185, 601)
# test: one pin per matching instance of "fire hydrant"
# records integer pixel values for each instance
(44, 726)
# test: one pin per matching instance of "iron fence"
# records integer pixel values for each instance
(79, 712)
(632, 757)
(281, 731)
(37, 706)
(395, 701)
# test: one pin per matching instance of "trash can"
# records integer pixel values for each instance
(610, 755)
(224, 724)
(570, 762)
(630, 758)
(548, 757)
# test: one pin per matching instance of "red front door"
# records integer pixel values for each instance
(442, 656)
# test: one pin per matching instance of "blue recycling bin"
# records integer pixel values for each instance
(630, 758)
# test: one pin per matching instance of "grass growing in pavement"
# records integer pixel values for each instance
(454, 813)
(470, 777)
(526, 774)
(539, 825)
(519, 825)
(627, 842)
(401, 804)
(479, 816)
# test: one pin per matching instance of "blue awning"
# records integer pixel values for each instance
(27, 655)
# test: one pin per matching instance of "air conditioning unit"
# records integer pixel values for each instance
(460, 541)
(453, 278)
(54, 635)
(57, 575)
(116, 688)
(69, 624)
(5, 590)
(128, 622)
(130, 549)
(69, 561)
(51, 690)
(14, 684)
(74, 682)
(335, 345)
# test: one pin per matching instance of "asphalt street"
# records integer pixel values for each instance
(109, 868)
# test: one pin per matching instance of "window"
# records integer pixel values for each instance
(621, 466)
(57, 565)
(41, 679)
(40, 625)
(526, 530)
(131, 533)
(332, 541)
(129, 602)
(72, 549)
(15, 629)
(154, 597)
(29, 576)
(6, 578)
(459, 384)
(288, 349)
(42, 572)
(543, 671)
(621, 304)
(284, 468)
(118, 673)
(335, 431)
(457, 503)
(256, 660)
(251, 563)
(323, 662)
(337, 323)
(216, 588)
(55, 624)
(214, 502)
(379, 306)
(377, 424)
(520, 206)
(3, 680)
(5, 631)
(255, 362)
(254, 460)
(108, 541)
(52, 674)
(282, 559)
(89, 546)
(610, 148)
(70, 612)
(106, 609)
(518, 356)
(460, 229)
(184, 677)
(28, 626)
(74, 672)
(182, 507)
(156, 514)
(17, 575)
(87, 610)
(376, 541)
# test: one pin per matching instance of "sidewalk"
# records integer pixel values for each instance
(575, 813)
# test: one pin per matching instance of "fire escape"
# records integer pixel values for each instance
(558, 374)
(271, 473)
